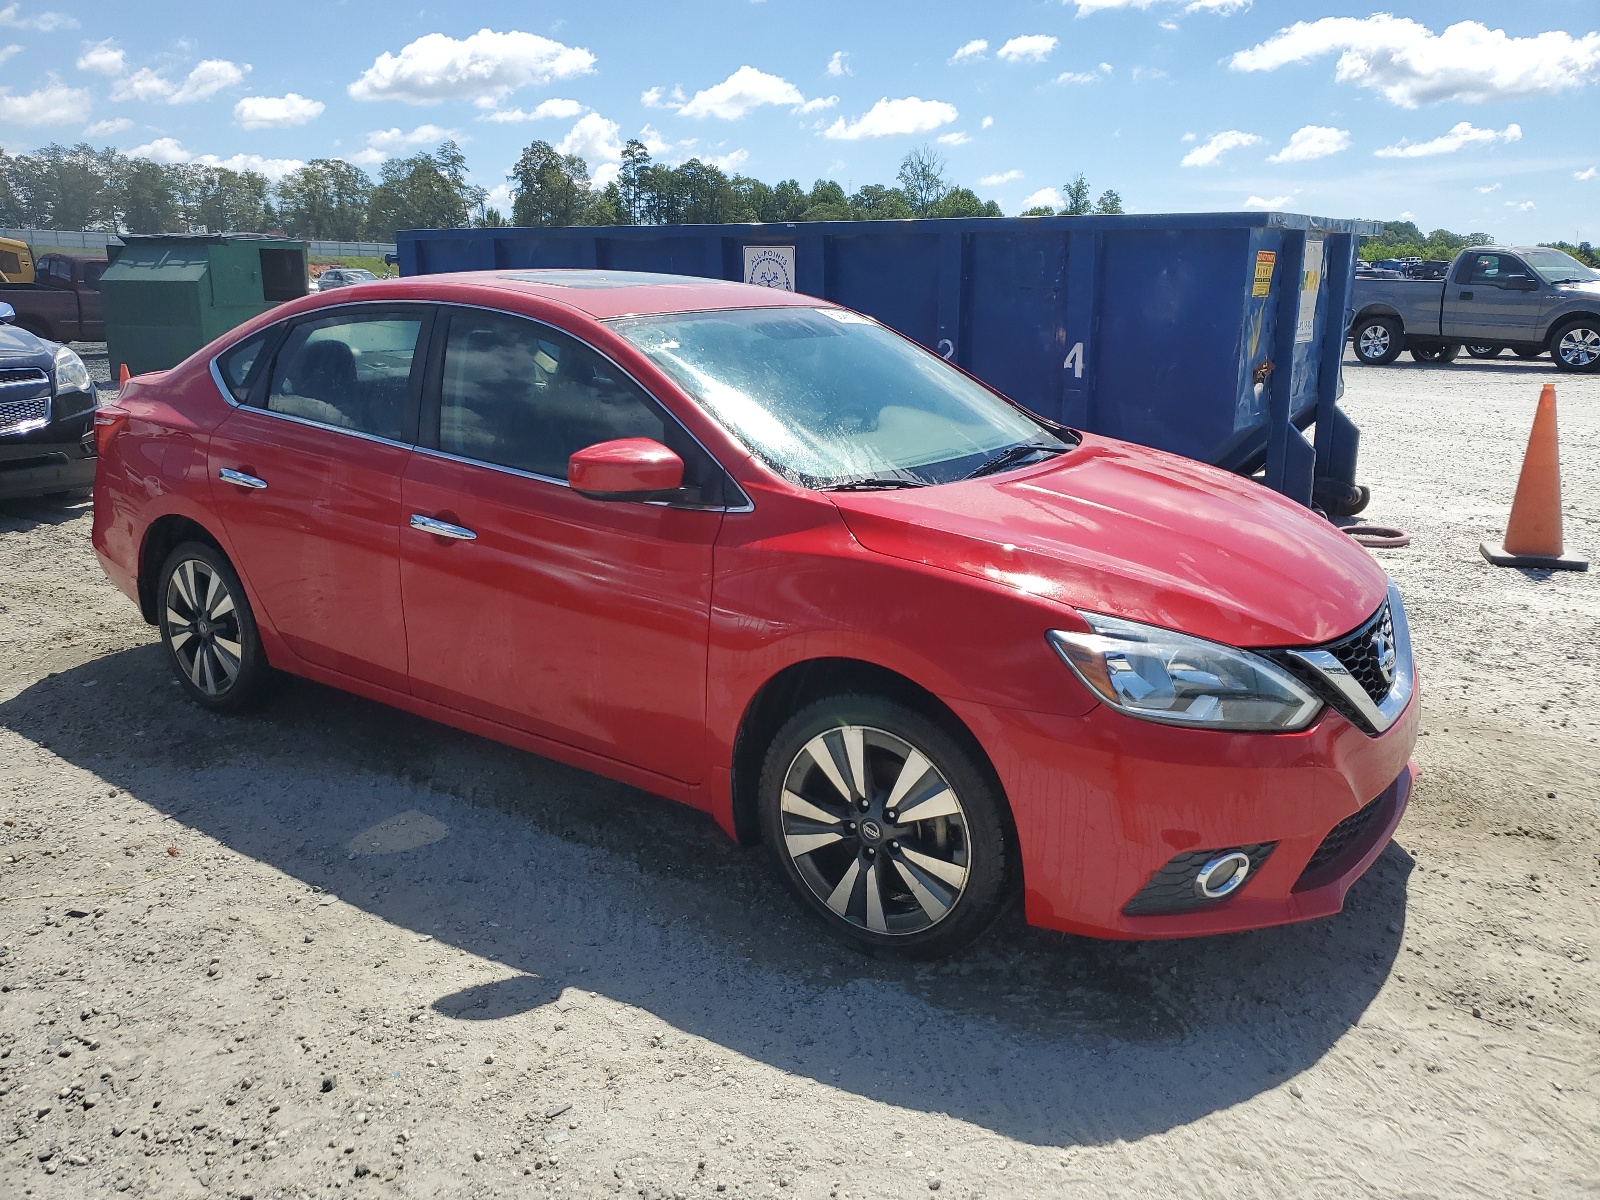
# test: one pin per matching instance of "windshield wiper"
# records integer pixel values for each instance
(876, 484)
(1013, 455)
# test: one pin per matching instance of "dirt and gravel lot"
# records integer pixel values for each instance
(330, 949)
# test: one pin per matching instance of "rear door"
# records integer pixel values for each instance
(306, 476)
(579, 620)
(1483, 299)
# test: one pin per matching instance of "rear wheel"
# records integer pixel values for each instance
(885, 826)
(209, 630)
(1435, 352)
(1484, 351)
(1576, 346)
(1377, 340)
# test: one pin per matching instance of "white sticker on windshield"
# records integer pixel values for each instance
(845, 317)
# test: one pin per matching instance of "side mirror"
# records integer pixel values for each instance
(7, 314)
(635, 469)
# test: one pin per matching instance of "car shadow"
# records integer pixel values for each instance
(570, 881)
(21, 515)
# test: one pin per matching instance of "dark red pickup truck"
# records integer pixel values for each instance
(63, 304)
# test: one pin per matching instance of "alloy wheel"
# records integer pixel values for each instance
(1374, 342)
(1579, 346)
(875, 830)
(202, 626)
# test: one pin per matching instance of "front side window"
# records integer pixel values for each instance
(519, 394)
(829, 398)
(351, 372)
(1494, 269)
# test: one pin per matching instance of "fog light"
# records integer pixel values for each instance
(1222, 876)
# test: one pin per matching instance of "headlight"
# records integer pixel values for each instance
(71, 374)
(1159, 675)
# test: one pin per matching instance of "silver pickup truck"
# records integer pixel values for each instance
(1527, 299)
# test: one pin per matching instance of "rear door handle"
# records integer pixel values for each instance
(1466, 295)
(240, 479)
(442, 528)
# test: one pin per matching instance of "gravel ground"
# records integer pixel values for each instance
(332, 949)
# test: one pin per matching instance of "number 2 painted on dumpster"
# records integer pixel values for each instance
(1074, 361)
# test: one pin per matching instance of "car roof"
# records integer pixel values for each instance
(602, 294)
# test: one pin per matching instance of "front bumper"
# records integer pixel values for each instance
(1103, 802)
(57, 457)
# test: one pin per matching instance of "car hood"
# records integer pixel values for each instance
(19, 348)
(1132, 532)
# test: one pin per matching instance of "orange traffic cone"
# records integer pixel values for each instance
(1533, 535)
(122, 374)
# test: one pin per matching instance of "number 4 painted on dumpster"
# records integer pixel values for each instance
(1074, 361)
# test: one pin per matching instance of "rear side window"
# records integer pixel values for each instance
(520, 394)
(91, 275)
(237, 365)
(350, 372)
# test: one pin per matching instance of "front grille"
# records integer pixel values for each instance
(1171, 889)
(19, 416)
(1359, 654)
(1341, 837)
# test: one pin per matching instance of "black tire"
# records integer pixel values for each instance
(211, 637)
(1576, 346)
(1484, 351)
(949, 874)
(1377, 340)
(1434, 352)
(1528, 352)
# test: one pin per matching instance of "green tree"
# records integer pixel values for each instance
(1038, 210)
(424, 191)
(548, 188)
(1109, 204)
(827, 202)
(963, 202)
(874, 202)
(706, 198)
(630, 182)
(1077, 198)
(922, 180)
(147, 201)
(326, 198)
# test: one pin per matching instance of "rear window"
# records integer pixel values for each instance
(237, 365)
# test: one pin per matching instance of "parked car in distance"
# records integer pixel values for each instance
(63, 302)
(1528, 299)
(758, 553)
(338, 277)
(47, 406)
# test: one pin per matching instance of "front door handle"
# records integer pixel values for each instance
(442, 528)
(240, 479)
(1466, 295)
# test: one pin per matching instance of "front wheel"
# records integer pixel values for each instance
(1378, 341)
(1576, 346)
(1484, 351)
(886, 826)
(209, 630)
(1435, 352)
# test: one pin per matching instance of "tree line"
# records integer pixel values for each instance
(1404, 239)
(79, 187)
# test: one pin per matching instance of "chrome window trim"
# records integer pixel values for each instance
(1379, 715)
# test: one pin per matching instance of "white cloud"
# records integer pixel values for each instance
(436, 67)
(1463, 133)
(1484, 191)
(103, 58)
(208, 78)
(53, 104)
(976, 48)
(1521, 206)
(366, 158)
(166, 150)
(1188, 137)
(729, 162)
(1140, 74)
(594, 139)
(1408, 216)
(500, 197)
(143, 84)
(889, 118)
(1584, 176)
(1169, 26)
(1002, 177)
(9, 52)
(1270, 202)
(1043, 198)
(745, 89)
(1311, 142)
(1411, 65)
(1213, 148)
(659, 98)
(956, 138)
(1032, 47)
(107, 128)
(1078, 77)
(393, 141)
(986, 122)
(837, 65)
(554, 109)
(276, 112)
(817, 105)
(1085, 7)
(46, 22)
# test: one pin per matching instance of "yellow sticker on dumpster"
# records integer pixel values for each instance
(1264, 263)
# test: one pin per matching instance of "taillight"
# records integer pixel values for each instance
(107, 421)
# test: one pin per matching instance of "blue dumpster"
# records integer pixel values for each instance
(1214, 335)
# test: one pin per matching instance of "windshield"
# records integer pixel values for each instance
(1556, 264)
(359, 275)
(827, 397)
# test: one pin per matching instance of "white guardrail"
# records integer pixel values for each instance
(72, 239)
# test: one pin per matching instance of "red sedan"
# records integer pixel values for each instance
(760, 554)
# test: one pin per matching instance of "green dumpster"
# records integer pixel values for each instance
(166, 295)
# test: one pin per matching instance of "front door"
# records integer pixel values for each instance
(1488, 297)
(578, 620)
(307, 481)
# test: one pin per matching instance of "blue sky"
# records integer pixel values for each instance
(1467, 114)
